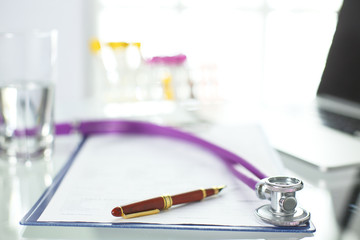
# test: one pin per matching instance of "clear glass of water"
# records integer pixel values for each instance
(27, 62)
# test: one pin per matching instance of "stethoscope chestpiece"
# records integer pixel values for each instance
(283, 210)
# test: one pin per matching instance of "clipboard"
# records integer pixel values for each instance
(246, 140)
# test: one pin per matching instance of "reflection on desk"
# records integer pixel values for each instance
(21, 185)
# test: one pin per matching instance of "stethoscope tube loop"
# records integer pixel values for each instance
(138, 127)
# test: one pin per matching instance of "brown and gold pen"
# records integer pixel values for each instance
(154, 205)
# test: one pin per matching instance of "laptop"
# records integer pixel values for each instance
(327, 133)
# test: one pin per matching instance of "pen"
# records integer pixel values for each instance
(154, 205)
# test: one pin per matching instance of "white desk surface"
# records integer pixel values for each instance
(325, 195)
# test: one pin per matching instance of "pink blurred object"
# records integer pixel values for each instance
(168, 60)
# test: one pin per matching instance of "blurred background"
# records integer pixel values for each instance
(182, 61)
(238, 52)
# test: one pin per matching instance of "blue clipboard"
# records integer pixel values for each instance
(31, 218)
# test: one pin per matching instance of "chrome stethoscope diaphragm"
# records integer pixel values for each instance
(283, 209)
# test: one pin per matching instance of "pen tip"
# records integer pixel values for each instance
(116, 212)
(221, 187)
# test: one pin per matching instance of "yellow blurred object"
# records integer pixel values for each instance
(117, 45)
(168, 90)
(136, 44)
(95, 45)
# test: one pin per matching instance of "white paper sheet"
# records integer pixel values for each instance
(117, 170)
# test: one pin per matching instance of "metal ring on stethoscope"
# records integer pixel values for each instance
(283, 210)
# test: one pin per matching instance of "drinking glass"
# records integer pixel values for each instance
(27, 85)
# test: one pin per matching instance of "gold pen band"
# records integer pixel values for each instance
(203, 192)
(168, 202)
(122, 211)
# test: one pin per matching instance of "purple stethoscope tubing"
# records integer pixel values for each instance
(87, 128)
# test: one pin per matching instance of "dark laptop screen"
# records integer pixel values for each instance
(341, 76)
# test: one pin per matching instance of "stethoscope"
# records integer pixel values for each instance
(280, 190)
